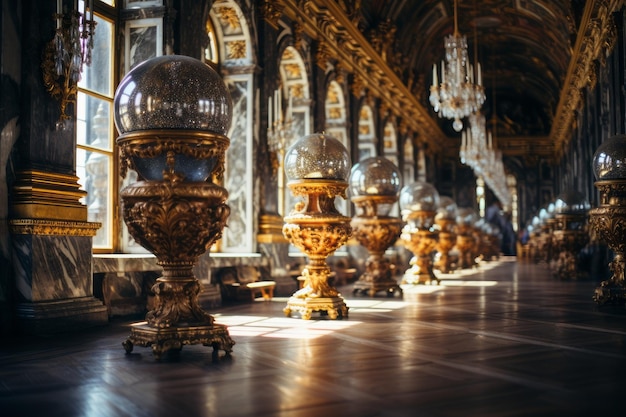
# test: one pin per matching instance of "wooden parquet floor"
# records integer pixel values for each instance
(507, 339)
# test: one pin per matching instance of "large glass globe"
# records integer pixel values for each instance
(172, 99)
(466, 216)
(375, 176)
(447, 208)
(419, 196)
(317, 156)
(609, 160)
(172, 92)
(571, 202)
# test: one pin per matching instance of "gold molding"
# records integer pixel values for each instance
(47, 195)
(271, 229)
(52, 227)
(327, 22)
(596, 37)
(270, 11)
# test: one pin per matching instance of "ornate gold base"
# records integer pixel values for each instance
(613, 290)
(172, 339)
(334, 307)
(372, 288)
(610, 292)
(376, 234)
(609, 221)
(414, 277)
(377, 278)
(422, 242)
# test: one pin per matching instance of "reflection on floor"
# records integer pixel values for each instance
(506, 339)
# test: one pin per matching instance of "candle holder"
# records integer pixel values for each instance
(609, 219)
(419, 202)
(569, 233)
(172, 113)
(66, 54)
(374, 186)
(445, 219)
(317, 168)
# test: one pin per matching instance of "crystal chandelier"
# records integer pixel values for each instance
(478, 152)
(460, 93)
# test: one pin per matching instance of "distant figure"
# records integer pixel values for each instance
(502, 220)
(493, 213)
(509, 238)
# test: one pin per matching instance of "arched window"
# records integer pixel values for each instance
(390, 151)
(390, 142)
(335, 109)
(294, 83)
(409, 162)
(367, 133)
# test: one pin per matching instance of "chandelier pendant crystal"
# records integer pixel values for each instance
(460, 92)
(478, 152)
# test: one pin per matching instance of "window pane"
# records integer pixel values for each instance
(97, 76)
(93, 124)
(93, 170)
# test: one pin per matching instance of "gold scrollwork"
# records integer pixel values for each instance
(177, 223)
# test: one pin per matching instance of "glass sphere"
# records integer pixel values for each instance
(571, 202)
(172, 92)
(466, 216)
(419, 196)
(317, 156)
(447, 208)
(609, 160)
(375, 176)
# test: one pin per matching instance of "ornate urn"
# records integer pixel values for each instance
(173, 113)
(374, 186)
(445, 219)
(569, 233)
(609, 219)
(418, 204)
(317, 168)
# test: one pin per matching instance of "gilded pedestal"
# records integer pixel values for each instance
(466, 244)
(172, 113)
(422, 243)
(609, 222)
(177, 222)
(446, 241)
(317, 229)
(377, 234)
(569, 237)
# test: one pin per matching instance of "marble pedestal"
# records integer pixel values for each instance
(53, 277)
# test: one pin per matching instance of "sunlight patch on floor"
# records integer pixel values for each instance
(279, 327)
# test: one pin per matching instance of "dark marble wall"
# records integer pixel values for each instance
(10, 63)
